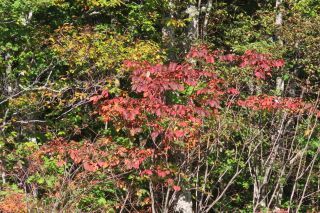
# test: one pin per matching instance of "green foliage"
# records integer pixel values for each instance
(307, 7)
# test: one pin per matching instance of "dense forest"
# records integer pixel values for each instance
(159, 106)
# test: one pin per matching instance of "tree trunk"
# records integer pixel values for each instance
(7, 76)
(184, 203)
(168, 34)
(206, 19)
(278, 23)
(279, 18)
(27, 18)
(193, 29)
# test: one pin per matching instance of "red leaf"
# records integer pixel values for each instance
(233, 91)
(179, 133)
(105, 93)
(162, 173)
(158, 112)
(228, 57)
(260, 75)
(176, 188)
(90, 167)
(134, 131)
(102, 164)
(170, 181)
(133, 163)
(210, 59)
(183, 124)
(60, 163)
(95, 99)
(74, 155)
(279, 63)
(154, 135)
(136, 164)
(213, 103)
(147, 172)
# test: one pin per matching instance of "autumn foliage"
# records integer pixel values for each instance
(159, 106)
(14, 203)
(165, 112)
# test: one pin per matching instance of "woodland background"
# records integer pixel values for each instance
(159, 105)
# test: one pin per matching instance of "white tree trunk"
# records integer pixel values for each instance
(206, 18)
(168, 34)
(184, 203)
(27, 18)
(279, 18)
(278, 23)
(279, 84)
(193, 29)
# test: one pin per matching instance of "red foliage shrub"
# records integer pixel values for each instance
(13, 203)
